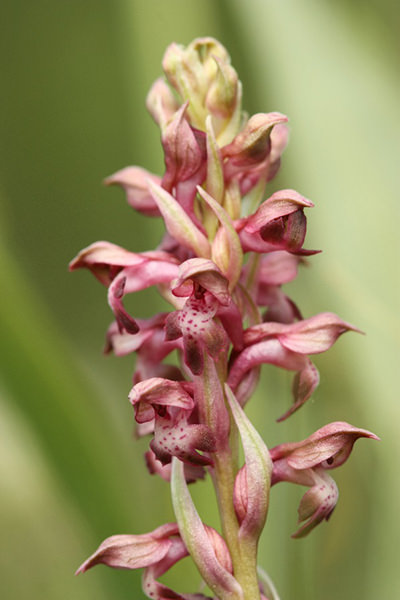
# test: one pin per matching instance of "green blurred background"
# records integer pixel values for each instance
(74, 78)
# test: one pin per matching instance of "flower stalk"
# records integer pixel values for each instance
(226, 253)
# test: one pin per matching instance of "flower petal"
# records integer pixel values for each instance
(270, 352)
(280, 204)
(206, 274)
(317, 504)
(155, 466)
(134, 181)
(133, 279)
(314, 335)
(278, 268)
(175, 436)
(105, 260)
(304, 384)
(132, 551)
(278, 224)
(251, 145)
(329, 447)
(162, 392)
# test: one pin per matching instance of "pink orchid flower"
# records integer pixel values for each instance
(171, 407)
(207, 290)
(125, 272)
(133, 181)
(150, 347)
(155, 552)
(278, 224)
(305, 463)
(288, 346)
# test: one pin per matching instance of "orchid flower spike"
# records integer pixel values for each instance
(229, 248)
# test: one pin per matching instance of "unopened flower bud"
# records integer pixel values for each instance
(161, 102)
(222, 95)
(173, 57)
(192, 70)
(220, 548)
(240, 494)
(182, 154)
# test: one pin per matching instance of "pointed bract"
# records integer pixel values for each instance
(231, 260)
(178, 223)
(200, 545)
(257, 473)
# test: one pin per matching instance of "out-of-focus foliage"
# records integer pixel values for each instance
(74, 79)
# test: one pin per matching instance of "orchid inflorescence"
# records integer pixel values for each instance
(221, 265)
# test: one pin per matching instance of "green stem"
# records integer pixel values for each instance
(224, 478)
(215, 411)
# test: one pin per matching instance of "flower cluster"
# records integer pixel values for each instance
(221, 265)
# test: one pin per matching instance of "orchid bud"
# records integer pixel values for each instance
(184, 72)
(207, 49)
(183, 156)
(240, 494)
(221, 97)
(173, 58)
(192, 72)
(220, 548)
(161, 103)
